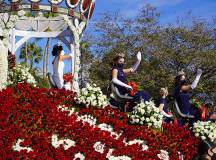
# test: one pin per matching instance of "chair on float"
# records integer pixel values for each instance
(179, 113)
(117, 100)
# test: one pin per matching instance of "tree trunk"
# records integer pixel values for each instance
(47, 56)
(44, 60)
(26, 52)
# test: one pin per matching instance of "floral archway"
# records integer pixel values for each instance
(27, 20)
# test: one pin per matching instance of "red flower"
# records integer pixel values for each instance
(67, 77)
(134, 86)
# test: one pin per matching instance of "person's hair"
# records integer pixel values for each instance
(178, 80)
(116, 58)
(165, 91)
(57, 50)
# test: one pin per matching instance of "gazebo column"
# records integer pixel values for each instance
(73, 59)
(3, 64)
(76, 66)
(12, 42)
(76, 34)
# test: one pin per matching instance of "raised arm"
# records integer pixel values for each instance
(195, 82)
(63, 56)
(135, 66)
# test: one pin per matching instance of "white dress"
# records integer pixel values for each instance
(58, 71)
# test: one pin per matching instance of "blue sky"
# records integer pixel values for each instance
(169, 9)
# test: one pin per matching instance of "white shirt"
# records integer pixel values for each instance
(58, 71)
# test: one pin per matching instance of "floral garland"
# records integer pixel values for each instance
(9, 24)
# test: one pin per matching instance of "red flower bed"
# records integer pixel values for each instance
(31, 114)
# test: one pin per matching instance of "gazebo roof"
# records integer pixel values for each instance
(81, 9)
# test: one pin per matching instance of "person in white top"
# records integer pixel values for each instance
(58, 65)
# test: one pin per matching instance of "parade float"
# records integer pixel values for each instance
(42, 123)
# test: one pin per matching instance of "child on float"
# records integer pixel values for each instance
(162, 103)
(119, 79)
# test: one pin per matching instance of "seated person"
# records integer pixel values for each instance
(162, 103)
(182, 93)
(119, 79)
(58, 66)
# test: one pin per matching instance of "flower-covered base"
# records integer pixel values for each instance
(38, 123)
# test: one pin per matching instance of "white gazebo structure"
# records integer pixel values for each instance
(26, 19)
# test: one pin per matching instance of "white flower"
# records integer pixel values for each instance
(85, 93)
(105, 127)
(87, 119)
(19, 148)
(92, 96)
(137, 120)
(13, 18)
(9, 24)
(205, 130)
(147, 119)
(203, 137)
(145, 147)
(67, 143)
(163, 155)
(79, 156)
(146, 114)
(94, 103)
(109, 156)
(99, 147)
(142, 111)
(21, 13)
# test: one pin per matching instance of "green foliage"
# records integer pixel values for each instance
(165, 50)
(32, 53)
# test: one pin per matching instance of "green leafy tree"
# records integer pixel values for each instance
(32, 53)
(187, 45)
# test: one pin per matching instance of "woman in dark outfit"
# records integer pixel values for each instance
(119, 79)
(182, 94)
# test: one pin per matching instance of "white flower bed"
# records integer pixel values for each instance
(21, 74)
(92, 96)
(205, 130)
(146, 114)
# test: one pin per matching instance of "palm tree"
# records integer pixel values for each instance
(32, 53)
(46, 58)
